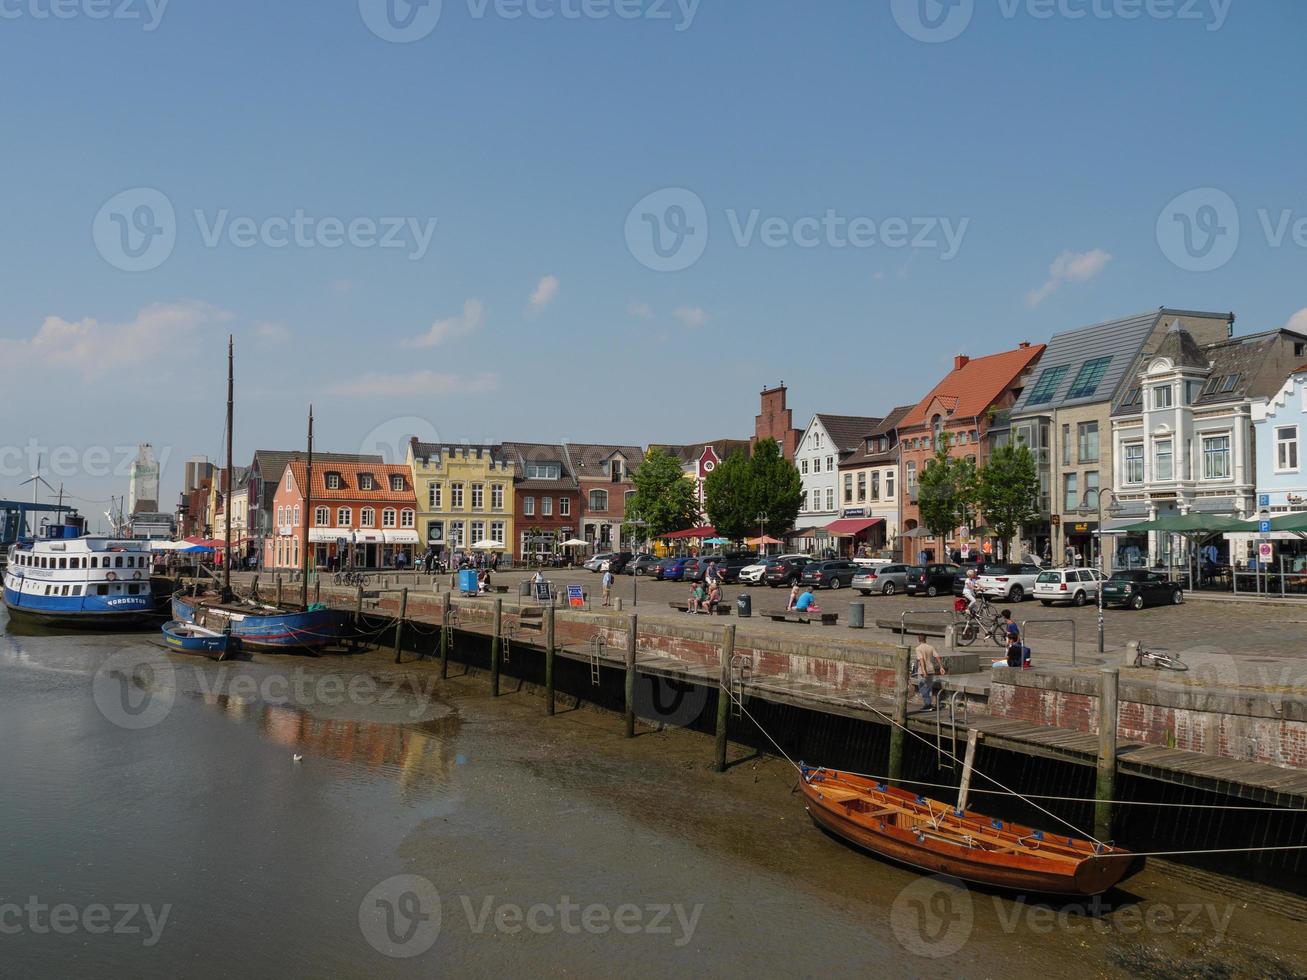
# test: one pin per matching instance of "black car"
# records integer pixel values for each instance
(832, 574)
(1140, 588)
(931, 579)
(619, 561)
(785, 571)
(728, 569)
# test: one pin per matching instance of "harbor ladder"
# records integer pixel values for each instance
(957, 709)
(598, 650)
(741, 667)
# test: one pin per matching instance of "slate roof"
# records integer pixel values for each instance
(349, 481)
(587, 460)
(521, 453)
(977, 384)
(891, 421)
(862, 457)
(689, 453)
(847, 431)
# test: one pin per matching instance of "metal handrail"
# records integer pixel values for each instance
(1073, 632)
(949, 633)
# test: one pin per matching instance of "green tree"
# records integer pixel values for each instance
(946, 491)
(729, 496)
(663, 498)
(1007, 492)
(777, 489)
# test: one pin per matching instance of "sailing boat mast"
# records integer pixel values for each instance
(304, 523)
(226, 554)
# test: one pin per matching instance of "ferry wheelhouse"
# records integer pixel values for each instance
(67, 578)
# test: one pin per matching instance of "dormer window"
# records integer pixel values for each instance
(333, 481)
(397, 483)
(365, 481)
(617, 471)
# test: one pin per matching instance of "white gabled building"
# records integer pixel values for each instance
(825, 442)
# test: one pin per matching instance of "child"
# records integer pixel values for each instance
(794, 597)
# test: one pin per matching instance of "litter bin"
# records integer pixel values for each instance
(856, 610)
(744, 605)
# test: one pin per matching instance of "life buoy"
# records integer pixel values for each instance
(111, 577)
(136, 575)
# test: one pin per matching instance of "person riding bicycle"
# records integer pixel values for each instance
(972, 594)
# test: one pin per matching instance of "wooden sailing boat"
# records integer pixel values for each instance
(257, 625)
(935, 837)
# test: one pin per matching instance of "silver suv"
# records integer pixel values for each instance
(885, 579)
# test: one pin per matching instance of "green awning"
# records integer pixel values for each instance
(1191, 524)
(1286, 522)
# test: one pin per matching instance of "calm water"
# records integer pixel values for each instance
(157, 800)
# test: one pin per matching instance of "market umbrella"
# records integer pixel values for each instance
(488, 544)
(764, 540)
(917, 532)
(573, 543)
(718, 541)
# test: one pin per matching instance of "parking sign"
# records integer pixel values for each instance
(1264, 527)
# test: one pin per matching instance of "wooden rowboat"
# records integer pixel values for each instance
(934, 837)
(190, 638)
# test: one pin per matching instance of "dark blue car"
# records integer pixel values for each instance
(670, 569)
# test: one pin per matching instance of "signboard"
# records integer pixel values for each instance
(1263, 500)
(854, 512)
(1082, 527)
(542, 591)
(1264, 527)
(1055, 519)
(575, 596)
(436, 532)
(1265, 551)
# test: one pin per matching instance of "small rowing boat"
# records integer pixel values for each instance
(934, 837)
(190, 638)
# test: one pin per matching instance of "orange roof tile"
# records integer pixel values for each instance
(976, 385)
(349, 481)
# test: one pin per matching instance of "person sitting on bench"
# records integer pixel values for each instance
(714, 596)
(697, 597)
(807, 602)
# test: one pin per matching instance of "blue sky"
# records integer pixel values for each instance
(1042, 140)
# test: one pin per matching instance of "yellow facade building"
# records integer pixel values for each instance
(464, 495)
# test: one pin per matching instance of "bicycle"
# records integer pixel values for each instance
(969, 626)
(350, 578)
(1155, 659)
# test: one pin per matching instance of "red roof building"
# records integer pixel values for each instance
(960, 408)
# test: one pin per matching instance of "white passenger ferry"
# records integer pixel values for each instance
(67, 578)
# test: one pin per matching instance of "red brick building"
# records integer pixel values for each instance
(603, 478)
(546, 501)
(961, 408)
(776, 421)
(366, 512)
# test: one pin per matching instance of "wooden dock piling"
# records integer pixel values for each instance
(549, 659)
(630, 675)
(495, 648)
(446, 633)
(279, 590)
(898, 730)
(724, 695)
(358, 607)
(399, 623)
(1105, 789)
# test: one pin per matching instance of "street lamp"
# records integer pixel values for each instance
(1113, 509)
(635, 579)
(762, 532)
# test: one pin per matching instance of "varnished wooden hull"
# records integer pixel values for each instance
(930, 836)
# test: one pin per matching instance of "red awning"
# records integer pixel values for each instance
(852, 527)
(694, 532)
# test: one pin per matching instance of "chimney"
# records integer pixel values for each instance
(960, 361)
(1024, 344)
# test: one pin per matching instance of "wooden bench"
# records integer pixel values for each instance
(795, 616)
(722, 608)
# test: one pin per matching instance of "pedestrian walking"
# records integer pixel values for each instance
(928, 665)
(608, 585)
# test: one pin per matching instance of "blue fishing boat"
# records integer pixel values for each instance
(189, 638)
(262, 626)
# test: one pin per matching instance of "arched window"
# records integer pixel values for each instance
(599, 500)
(937, 428)
(367, 517)
(388, 517)
(321, 517)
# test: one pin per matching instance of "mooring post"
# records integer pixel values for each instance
(446, 634)
(1105, 791)
(399, 623)
(254, 587)
(494, 649)
(317, 589)
(630, 675)
(898, 730)
(279, 590)
(968, 766)
(724, 694)
(358, 606)
(549, 659)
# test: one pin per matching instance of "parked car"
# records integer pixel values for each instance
(1011, 582)
(785, 571)
(670, 569)
(641, 565)
(885, 579)
(617, 563)
(752, 574)
(1074, 585)
(596, 562)
(695, 567)
(989, 568)
(1140, 588)
(931, 579)
(833, 574)
(729, 568)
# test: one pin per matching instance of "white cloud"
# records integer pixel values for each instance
(93, 348)
(1069, 267)
(1298, 321)
(691, 316)
(375, 384)
(469, 320)
(271, 333)
(641, 311)
(545, 291)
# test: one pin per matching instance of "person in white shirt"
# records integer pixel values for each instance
(970, 593)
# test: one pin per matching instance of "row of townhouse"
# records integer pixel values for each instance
(1128, 420)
